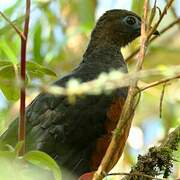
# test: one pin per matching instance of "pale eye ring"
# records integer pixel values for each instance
(131, 21)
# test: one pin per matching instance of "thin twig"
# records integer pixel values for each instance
(138, 100)
(167, 6)
(152, 15)
(177, 21)
(13, 25)
(156, 83)
(22, 120)
(18, 20)
(133, 174)
(161, 100)
(143, 38)
(173, 12)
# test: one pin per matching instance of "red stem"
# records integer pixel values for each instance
(22, 120)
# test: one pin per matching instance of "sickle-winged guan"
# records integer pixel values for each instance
(77, 135)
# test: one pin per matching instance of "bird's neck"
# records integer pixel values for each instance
(102, 49)
(105, 55)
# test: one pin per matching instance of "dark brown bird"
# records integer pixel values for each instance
(77, 135)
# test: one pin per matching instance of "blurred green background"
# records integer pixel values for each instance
(59, 34)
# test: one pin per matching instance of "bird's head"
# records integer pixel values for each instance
(117, 27)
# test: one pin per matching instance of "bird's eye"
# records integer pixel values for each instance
(130, 20)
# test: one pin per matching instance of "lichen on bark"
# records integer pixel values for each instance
(158, 160)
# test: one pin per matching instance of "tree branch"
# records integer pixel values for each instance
(158, 160)
(167, 6)
(140, 175)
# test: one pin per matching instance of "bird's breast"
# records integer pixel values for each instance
(102, 143)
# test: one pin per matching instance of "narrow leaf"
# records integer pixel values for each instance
(43, 160)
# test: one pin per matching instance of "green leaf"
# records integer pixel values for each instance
(137, 6)
(10, 92)
(8, 83)
(18, 147)
(8, 51)
(81, 8)
(37, 43)
(8, 79)
(43, 160)
(8, 154)
(10, 10)
(7, 72)
(5, 63)
(8, 27)
(37, 70)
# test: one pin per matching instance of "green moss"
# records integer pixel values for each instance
(157, 161)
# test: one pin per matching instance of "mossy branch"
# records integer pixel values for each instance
(158, 160)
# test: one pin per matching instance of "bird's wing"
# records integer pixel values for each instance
(67, 132)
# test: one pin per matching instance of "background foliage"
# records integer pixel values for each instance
(59, 33)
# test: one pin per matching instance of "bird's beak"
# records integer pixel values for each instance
(156, 33)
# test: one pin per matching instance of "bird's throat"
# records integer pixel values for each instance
(101, 49)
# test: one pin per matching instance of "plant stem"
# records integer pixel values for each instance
(12, 25)
(22, 120)
(156, 83)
